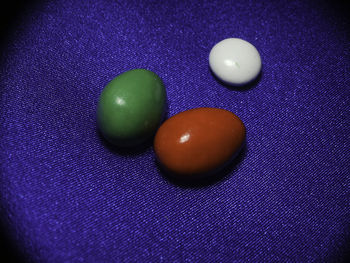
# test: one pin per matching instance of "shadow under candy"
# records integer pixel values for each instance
(246, 87)
(137, 149)
(204, 180)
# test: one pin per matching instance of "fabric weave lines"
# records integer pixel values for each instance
(66, 196)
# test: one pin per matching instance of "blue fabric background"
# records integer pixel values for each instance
(66, 196)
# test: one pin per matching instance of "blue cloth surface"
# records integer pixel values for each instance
(67, 196)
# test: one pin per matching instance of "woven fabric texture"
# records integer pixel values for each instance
(67, 196)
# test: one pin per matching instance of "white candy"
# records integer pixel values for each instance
(235, 61)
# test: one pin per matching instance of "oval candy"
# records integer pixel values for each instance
(198, 141)
(235, 61)
(131, 107)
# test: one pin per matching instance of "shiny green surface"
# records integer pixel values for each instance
(131, 107)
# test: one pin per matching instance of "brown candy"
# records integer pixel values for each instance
(198, 141)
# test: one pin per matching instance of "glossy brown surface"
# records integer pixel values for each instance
(198, 141)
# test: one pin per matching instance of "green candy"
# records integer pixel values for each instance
(131, 107)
